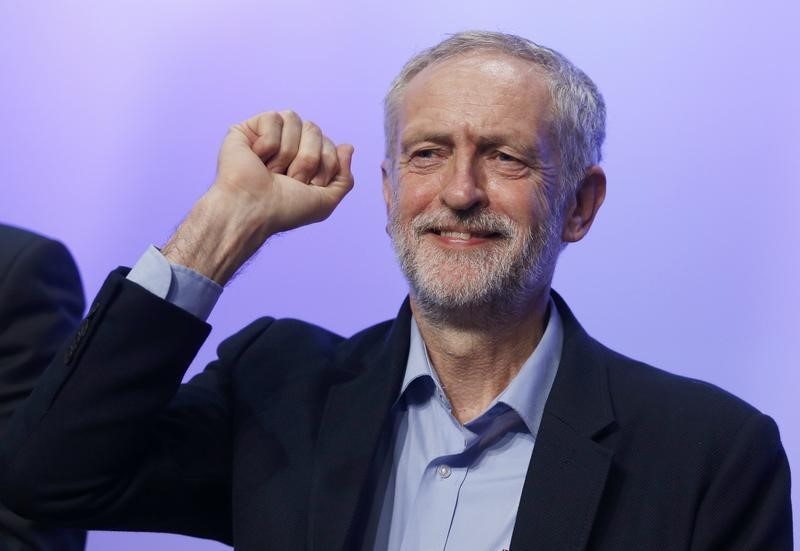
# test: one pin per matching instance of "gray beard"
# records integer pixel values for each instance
(492, 282)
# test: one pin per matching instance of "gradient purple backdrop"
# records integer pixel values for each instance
(111, 114)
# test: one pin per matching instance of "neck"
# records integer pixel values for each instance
(477, 351)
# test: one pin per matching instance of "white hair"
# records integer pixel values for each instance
(579, 112)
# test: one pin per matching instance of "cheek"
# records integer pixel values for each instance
(521, 200)
(415, 195)
(541, 203)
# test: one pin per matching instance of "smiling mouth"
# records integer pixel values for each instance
(459, 235)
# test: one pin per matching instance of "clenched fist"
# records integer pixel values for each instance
(275, 173)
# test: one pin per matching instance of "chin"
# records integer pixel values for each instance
(500, 277)
(458, 285)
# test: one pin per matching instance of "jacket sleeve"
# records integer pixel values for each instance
(111, 440)
(747, 506)
(41, 303)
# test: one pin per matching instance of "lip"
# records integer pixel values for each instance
(460, 237)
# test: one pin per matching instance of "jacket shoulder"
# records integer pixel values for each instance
(299, 346)
(693, 423)
(637, 387)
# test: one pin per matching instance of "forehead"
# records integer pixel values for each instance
(477, 93)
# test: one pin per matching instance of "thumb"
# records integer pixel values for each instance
(345, 154)
(342, 183)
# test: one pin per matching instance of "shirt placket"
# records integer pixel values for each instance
(437, 498)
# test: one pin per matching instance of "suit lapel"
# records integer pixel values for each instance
(568, 467)
(350, 433)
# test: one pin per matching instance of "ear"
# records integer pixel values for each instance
(388, 196)
(583, 207)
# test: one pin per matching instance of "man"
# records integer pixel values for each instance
(41, 303)
(482, 417)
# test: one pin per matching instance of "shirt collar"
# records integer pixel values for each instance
(527, 392)
(418, 364)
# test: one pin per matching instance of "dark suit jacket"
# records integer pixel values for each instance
(41, 303)
(274, 445)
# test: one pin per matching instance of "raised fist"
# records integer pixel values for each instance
(275, 173)
(287, 166)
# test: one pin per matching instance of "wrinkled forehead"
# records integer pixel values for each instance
(488, 63)
(485, 90)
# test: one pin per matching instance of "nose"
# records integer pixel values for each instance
(463, 188)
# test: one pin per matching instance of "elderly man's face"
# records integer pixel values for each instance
(469, 196)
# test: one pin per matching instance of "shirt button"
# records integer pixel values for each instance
(444, 471)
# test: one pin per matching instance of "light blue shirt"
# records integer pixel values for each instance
(457, 487)
(451, 487)
(177, 284)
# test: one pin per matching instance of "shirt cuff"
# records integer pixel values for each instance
(176, 284)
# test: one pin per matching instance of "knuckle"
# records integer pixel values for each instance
(271, 117)
(329, 156)
(238, 128)
(272, 138)
(310, 126)
(328, 148)
(305, 163)
(269, 144)
(289, 115)
(280, 161)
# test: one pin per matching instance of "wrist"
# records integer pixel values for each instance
(218, 236)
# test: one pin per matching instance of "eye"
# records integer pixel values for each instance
(508, 164)
(426, 158)
(425, 154)
(506, 158)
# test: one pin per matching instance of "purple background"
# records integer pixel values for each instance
(112, 113)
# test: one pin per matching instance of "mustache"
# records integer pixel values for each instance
(481, 221)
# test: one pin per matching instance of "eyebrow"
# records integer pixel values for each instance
(531, 150)
(417, 137)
